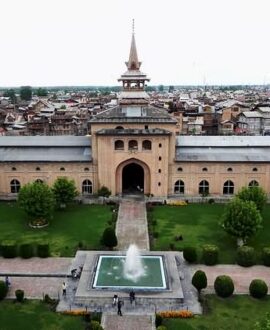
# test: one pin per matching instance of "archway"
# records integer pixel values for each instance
(132, 179)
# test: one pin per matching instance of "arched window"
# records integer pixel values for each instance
(147, 145)
(179, 187)
(37, 168)
(205, 169)
(159, 158)
(204, 187)
(119, 145)
(132, 145)
(228, 188)
(119, 127)
(13, 169)
(62, 169)
(86, 169)
(87, 187)
(229, 169)
(159, 170)
(160, 145)
(15, 186)
(254, 169)
(253, 183)
(180, 169)
(39, 180)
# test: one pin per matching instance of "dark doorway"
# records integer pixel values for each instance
(133, 179)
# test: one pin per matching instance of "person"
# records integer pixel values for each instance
(119, 306)
(64, 288)
(7, 281)
(132, 296)
(115, 300)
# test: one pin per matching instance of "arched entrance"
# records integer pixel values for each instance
(132, 179)
(132, 176)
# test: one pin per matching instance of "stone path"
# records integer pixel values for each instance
(128, 322)
(131, 225)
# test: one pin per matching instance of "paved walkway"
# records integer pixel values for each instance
(128, 322)
(131, 225)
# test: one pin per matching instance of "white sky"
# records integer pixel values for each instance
(85, 42)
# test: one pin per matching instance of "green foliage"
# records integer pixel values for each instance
(258, 289)
(109, 238)
(266, 256)
(19, 295)
(190, 254)
(263, 324)
(64, 191)
(11, 94)
(241, 219)
(224, 286)
(245, 256)
(160, 88)
(26, 250)
(255, 194)
(159, 320)
(162, 327)
(199, 280)
(43, 250)
(104, 192)
(3, 290)
(41, 91)
(26, 93)
(94, 325)
(9, 249)
(37, 200)
(210, 254)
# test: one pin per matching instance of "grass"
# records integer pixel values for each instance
(199, 224)
(77, 223)
(35, 315)
(236, 312)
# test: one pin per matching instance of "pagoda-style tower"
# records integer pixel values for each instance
(133, 79)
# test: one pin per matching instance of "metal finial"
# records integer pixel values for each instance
(133, 26)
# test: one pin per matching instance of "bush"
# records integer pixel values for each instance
(210, 254)
(109, 238)
(159, 320)
(199, 280)
(245, 256)
(224, 286)
(211, 201)
(94, 325)
(27, 250)
(162, 327)
(19, 295)
(258, 289)
(43, 250)
(190, 254)
(3, 290)
(9, 249)
(266, 256)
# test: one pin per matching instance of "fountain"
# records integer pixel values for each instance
(133, 266)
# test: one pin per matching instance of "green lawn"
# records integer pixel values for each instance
(35, 315)
(199, 224)
(235, 313)
(78, 223)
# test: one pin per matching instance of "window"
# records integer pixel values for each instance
(62, 169)
(159, 184)
(146, 127)
(253, 183)
(147, 145)
(229, 169)
(39, 181)
(180, 169)
(159, 158)
(204, 187)
(37, 168)
(254, 169)
(119, 145)
(87, 187)
(15, 186)
(205, 169)
(119, 127)
(159, 171)
(228, 188)
(179, 187)
(132, 145)
(160, 145)
(13, 169)
(86, 169)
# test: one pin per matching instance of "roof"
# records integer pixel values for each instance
(123, 132)
(45, 149)
(252, 114)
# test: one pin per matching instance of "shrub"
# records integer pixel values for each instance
(162, 327)
(96, 316)
(19, 295)
(3, 290)
(190, 254)
(210, 254)
(159, 320)
(258, 289)
(266, 256)
(199, 280)
(43, 250)
(109, 238)
(27, 250)
(224, 286)
(94, 325)
(211, 201)
(104, 192)
(9, 249)
(245, 256)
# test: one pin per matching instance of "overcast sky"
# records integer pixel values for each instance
(86, 42)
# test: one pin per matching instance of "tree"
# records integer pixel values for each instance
(11, 94)
(255, 194)
(109, 238)
(42, 91)
(64, 191)
(160, 88)
(26, 93)
(104, 192)
(241, 219)
(199, 280)
(37, 200)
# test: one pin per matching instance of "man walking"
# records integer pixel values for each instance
(64, 289)
(119, 306)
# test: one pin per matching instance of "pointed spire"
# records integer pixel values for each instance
(133, 62)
